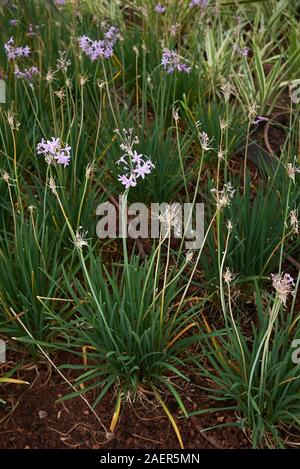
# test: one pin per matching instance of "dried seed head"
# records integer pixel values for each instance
(5, 176)
(229, 225)
(100, 84)
(12, 121)
(204, 141)
(135, 50)
(228, 276)
(190, 255)
(61, 95)
(283, 284)
(50, 76)
(227, 90)
(176, 115)
(170, 217)
(52, 186)
(221, 154)
(83, 79)
(31, 208)
(174, 28)
(62, 62)
(68, 83)
(294, 221)
(223, 197)
(224, 124)
(80, 238)
(90, 170)
(252, 111)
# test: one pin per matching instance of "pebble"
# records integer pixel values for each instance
(42, 414)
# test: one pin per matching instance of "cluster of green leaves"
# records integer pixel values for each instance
(129, 325)
(256, 373)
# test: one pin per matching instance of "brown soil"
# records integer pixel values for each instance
(31, 418)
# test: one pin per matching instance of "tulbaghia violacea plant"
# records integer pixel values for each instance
(14, 52)
(100, 49)
(171, 62)
(133, 164)
(292, 170)
(54, 151)
(160, 9)
(294, 222)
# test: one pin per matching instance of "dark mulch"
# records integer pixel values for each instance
(71, 424)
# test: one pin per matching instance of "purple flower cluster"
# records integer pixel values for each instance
(244, 51)
(159, 8)
(171, 61)
(27, 74)
(103, 48)
(13, 52)
(140, 167)
(134, 165)
(54, 151)
(198, 3)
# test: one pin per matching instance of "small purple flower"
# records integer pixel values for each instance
(171, 62)
(84, 43)
(143, 169)
(127, 181)
(13, 22)
(244, 51)
(198, 3)
(183, 68)
(54, 151)
(112, 35)
(23, 51)
(137, 158)
(63, 157)
(159, 8)
(13, 52)
(27, 74)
